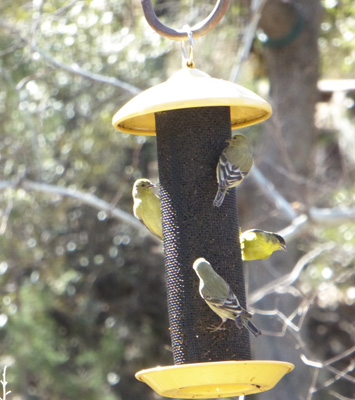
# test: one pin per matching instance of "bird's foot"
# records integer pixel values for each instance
(216, 328)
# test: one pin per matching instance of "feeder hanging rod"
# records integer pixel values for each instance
(182, 34)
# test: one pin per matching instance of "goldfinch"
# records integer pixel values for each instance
(257, 244)
(146, 206)
(233, 166)
(220, 298)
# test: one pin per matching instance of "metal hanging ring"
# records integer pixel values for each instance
(180, 34)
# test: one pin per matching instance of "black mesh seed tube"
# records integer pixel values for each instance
(189, 143)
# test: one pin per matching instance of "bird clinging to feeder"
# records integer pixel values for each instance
(220, 298)
(146, 206)
(233, 166)
(257, 244)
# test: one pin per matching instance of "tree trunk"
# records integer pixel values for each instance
(284, 153)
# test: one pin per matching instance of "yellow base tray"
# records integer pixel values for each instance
(214, 379)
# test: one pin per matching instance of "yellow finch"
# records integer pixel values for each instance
(257, 244)
(220, 298)
(146, 206)
(234, 164)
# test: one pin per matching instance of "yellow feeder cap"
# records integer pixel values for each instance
(215, 379)
(188, 88)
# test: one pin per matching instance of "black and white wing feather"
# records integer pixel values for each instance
(228, 175)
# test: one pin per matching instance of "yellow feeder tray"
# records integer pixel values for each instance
(188, 88)
(214, 379)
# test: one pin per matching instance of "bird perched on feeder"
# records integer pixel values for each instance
(233, 166)
(257, 244)
(146, 206)
(220, 298)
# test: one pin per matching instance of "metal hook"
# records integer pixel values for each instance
(179, 34)
(187, 60)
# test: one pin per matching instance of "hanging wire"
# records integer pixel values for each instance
(187, 58)
(180, 34)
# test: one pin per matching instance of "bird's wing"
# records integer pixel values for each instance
(214, 301)
(151, 206)
(229, 303)
(150, 230)
(228, 173)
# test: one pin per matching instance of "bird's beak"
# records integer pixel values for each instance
(228, 140)
(152, 185)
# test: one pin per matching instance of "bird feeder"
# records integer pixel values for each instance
(192, 115)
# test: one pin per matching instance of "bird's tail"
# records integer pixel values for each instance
(253, 329)
(242, 320)
(218, 200)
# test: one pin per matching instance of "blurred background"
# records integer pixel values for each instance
(82, 286)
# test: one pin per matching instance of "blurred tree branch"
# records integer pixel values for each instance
(86, 198)
(272, 194)
(283, 284)
(299, 224)
(74, 68)
(323, 216)
(256, 9)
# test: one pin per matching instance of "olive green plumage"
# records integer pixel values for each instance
(257, 244)
(146, 206)
(233, 166)
(220, 298)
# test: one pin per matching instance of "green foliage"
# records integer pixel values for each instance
(69, 281)
(337, 39)
(82, 300)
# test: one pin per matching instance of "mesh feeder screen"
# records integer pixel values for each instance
(189, 143)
